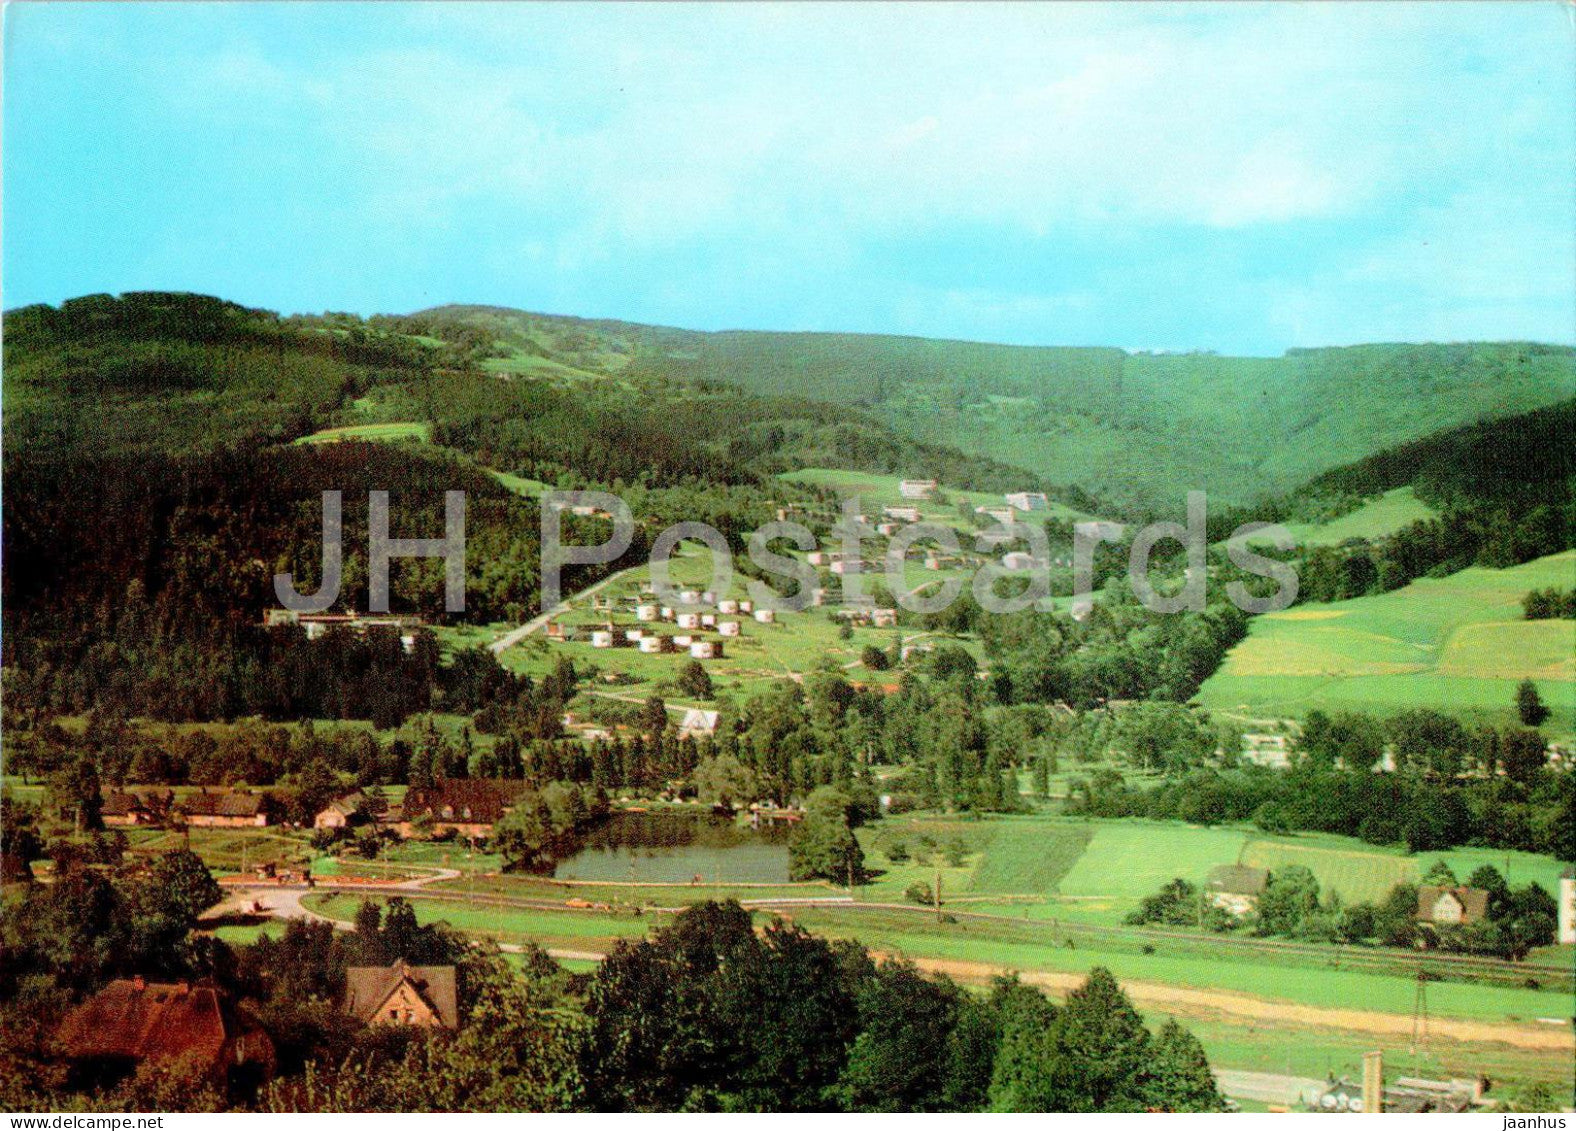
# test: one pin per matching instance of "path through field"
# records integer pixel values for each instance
(1184, 1001)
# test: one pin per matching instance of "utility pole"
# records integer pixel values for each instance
(1420, 1012)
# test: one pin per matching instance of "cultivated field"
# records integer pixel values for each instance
(1456, 643)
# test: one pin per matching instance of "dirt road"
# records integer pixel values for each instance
(1185, 1001)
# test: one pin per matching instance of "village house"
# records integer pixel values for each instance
(656, 644)
(646, 612)
(341, 812)
(705, 650)
(728, 628)
(728, 606)
(123, 809)
(689, 620)
(901, 514)
(1235, 888)
(470, 806)
(225, 810)
(1450, 906)
(883, 618)
(402, 994)
(917, 488)
(1019, 559)
(698, 723)
(1003, 515)
(1027, 501)
(132, 1021)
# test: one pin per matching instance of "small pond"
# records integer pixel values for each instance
(676, 848)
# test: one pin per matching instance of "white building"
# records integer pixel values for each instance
(817, 557)
(688, 620)
(728, 605)
(1002, 515)
(1019, 559)
(708, 620)
(883, 618)
(917, 488)
(654, 644)
(728, 628)
(698, 722)
(1567, 908)
(746, 606)
(1028, 501)
(646, 612)
(602, 638)
(901, 514)
(765, 616)
(689, 597)
(705, 649)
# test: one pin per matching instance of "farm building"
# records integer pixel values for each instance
(225, 810)
(646, 612)
(728, 606)
(132, 1021)
(683, 640)
(765, 616)
(888, 529)
(706, 650)
(602, 638)
(1270, 750)
(728, 628)
(689, 620)
(1448, 906)
(1027, 501)
(1019, 559)
(656, 644)
(917, 488)
(1002, 515)
(402, 994)
(746, 606)
(1567, 908)
(708, 620)
(901, 514)
(689, 597)
(1235, 888)
(470, 806)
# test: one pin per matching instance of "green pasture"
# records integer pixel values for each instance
(1374, 519)
(400, 430)
(1456, 643)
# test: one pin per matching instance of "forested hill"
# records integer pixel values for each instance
(1500, 492)
(1135, 429)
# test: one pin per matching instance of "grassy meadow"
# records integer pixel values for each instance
(1456, 643)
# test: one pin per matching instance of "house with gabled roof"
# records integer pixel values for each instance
(402, 994)
(229, 809)
(1450, 906)
(132, 1021)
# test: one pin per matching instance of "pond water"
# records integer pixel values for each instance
(676, 848)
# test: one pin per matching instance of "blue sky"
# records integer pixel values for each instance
(1243, 178)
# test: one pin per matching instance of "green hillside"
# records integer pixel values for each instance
(1457, 643)
(1139, 429)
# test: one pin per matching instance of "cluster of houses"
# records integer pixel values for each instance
(703, 620)
(132, 1022)
(315, 625)
(1236, 889)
